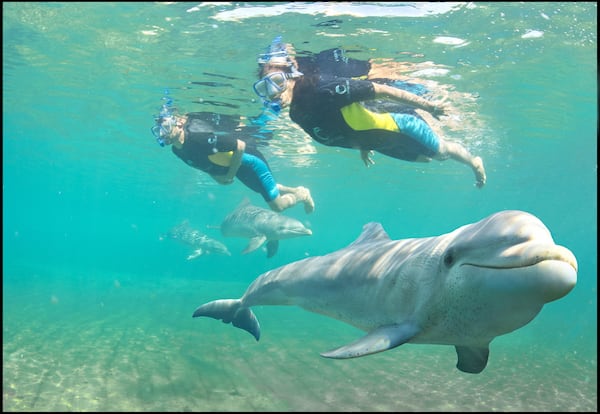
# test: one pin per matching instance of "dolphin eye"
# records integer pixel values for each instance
(449, 258)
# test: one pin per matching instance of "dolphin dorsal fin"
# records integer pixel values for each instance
(371, 231)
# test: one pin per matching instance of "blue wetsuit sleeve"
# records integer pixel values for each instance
(255, 174)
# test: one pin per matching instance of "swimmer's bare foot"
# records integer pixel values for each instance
(305, 197)
(479, 171)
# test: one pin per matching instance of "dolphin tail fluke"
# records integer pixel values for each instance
(381, 339)
(472, 359)
(231, 311)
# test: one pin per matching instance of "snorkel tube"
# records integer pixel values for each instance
(272, 106)
(166, 113)
(276, 49)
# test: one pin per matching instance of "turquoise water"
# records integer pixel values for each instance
(97, 308)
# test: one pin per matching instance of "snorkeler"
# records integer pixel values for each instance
(350, 113)
(219, 145)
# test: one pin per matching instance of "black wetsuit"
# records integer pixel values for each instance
(343, 112)
(331, 82)
(210, 140)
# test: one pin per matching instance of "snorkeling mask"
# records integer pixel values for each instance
(271, 85)
(164, 122)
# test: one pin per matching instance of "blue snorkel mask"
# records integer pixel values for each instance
(164, 122)
(269, 87)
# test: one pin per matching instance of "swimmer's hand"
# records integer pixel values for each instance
(438, 108)
(366, 156)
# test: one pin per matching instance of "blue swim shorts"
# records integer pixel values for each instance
(417, 129)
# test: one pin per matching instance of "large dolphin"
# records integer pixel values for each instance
(201, 243)
(463, 288)
(261, 225)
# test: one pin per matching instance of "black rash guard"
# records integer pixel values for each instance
(210, 140)
(343, 112)
(316, 108)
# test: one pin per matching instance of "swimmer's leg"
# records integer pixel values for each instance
(279, 197)
(459, 153)
(290, 196)
(438, 148)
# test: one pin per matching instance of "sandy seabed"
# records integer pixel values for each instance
(113, 369)
(144, 352)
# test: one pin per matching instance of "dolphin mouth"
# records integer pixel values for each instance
(302, 232)
(519, 266)
(553, 272)
(529, 255)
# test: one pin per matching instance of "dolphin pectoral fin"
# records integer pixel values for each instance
(472, 359)
(254, 243)
(231, 311)
(272, 247)
(381, 339)
(195, 254)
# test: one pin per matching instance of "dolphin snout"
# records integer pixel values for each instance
(559, 266)
(566, 256)
(560, 278)
(301, 231)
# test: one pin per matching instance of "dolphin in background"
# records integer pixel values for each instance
(463, 288)
(201, 243)
(260, 225)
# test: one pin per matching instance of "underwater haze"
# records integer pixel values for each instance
(97, 303)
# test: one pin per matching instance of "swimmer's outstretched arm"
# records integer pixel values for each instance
(436, 108)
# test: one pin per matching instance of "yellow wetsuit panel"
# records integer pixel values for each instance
(221, 158)
(360, 118)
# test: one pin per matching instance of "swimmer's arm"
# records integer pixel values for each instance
(236, 162)
(435, 108)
